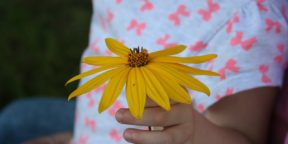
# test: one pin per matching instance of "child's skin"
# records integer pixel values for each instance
(239, 119)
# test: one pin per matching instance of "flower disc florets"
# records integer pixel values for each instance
(138, 57)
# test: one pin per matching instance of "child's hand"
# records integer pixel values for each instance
(177, 123)
(239, 119)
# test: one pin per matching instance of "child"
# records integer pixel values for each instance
(250, 39)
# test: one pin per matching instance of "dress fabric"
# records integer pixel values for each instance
(249, 37)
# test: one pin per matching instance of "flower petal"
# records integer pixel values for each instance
(191, 70)
(113, 89)
(169, 51)
(135, 93)
(169, 83)
(154, 89)
(90, 72)
(104, 60)
(95, 82)
(117, 47)
(141, 91)
(193, 60)
(184, 79)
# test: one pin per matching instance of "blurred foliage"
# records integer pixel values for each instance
(40, 46)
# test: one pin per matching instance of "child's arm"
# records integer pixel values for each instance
(239, 119)
(246, 114)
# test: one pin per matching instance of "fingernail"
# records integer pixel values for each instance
(128, 134)
(119, 115)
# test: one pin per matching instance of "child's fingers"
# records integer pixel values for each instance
(143, 136)
(173, 135)
(155, 116)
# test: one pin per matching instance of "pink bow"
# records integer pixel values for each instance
(261, 6)
(231, 66)
(181, 11)
(118, 1)
(100, 89)
(231, 22)
(91, 101)
(270, 24)
(245, 44)
(229, 91)
(263, 69)
(90, 123)
(279, 58)
(198, 46)
(112, 111)
(201, 107)
(110, 16)
(212, 7)
(139, 27)
(163, 41)
(146, 6)
(83, 139)
(115, 135)
(102, 22)
(94, 46)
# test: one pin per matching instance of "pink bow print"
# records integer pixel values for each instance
(118, 1)
(263, 69)
(115, 135)
(212, 7)
(83, 139)
(261, 6)
(229, 91)
(181, 11)
(245, 44)
(198, 46)
(201, 107)
(231, 66)
(139, 27)
(279, 58)
(231, 22)
(112, 111)
(94, 46)
(100, 89)
(146, 6)
(110, 16)
(106, 20)
(91, 101)
(90, 123)
(270, 24)
(163, 41)
(102, 22)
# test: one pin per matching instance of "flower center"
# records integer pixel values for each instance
(138, 57)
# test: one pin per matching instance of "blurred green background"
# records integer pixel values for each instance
(40, 46)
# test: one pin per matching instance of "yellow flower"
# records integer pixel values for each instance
(157, 75)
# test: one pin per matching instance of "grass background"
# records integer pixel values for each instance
(40, 46)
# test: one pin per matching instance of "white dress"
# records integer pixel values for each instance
(249, 37)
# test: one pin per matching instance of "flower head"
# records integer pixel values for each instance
(138, 57)
(157, 75)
